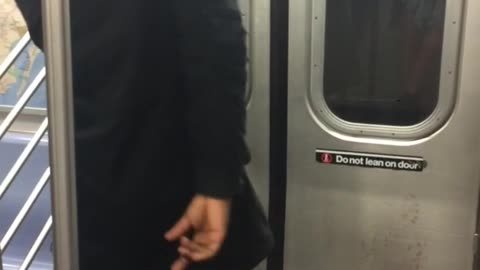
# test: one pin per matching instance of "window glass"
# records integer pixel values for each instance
(383, 59)
(28, 64)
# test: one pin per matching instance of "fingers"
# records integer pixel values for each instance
(209, 238)
(180, 229)
(208, 220)
(190, 249)
(202, 248)
(195, 251)
(180, 264)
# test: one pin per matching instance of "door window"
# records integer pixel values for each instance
(383, 59)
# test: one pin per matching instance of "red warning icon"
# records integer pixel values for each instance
(326, 158)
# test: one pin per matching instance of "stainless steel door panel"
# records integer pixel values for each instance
(256, 15)
(341, 217)
(257, 21)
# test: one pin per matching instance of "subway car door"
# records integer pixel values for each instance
(256, 14)
(256, 19)
(384, 136)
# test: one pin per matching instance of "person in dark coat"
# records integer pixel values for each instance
(159, 89)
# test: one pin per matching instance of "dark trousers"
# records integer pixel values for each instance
(126, 263)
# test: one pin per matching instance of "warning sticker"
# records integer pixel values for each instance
(368, 160)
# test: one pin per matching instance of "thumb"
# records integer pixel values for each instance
(180, 229)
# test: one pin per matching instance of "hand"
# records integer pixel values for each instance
(207, 220)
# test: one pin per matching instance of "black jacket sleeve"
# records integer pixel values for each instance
(211, 43)
(31, 11)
